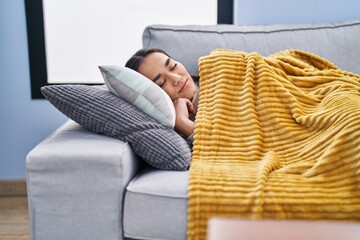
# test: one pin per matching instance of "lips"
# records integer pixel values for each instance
(184, 85)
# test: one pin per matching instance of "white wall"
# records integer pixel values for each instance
(79, 36)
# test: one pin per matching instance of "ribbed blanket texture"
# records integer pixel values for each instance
(276, 137)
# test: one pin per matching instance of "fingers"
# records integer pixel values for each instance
(184, 106)
(190, 107)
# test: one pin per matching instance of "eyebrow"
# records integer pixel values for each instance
(159, 75)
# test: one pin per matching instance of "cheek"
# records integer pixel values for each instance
(193, 86)
(170, 92)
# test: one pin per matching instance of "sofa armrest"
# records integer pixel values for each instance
(76, 181)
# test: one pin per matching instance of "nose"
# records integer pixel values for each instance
(174, 78)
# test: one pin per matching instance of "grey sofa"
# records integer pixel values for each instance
(83, 185)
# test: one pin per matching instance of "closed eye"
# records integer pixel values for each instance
(173, 67)
(162, 83)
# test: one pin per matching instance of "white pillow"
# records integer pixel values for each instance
(140, 91)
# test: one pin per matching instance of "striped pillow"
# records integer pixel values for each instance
(141, 92)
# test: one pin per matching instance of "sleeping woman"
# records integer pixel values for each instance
(175, 80)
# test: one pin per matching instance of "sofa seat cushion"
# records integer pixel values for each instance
(155, 205)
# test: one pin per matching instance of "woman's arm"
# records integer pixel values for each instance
(183, 124)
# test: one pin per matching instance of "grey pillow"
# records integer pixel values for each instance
(102, 112)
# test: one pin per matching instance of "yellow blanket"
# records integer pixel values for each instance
(276, 137)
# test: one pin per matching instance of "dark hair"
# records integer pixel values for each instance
(135, 61)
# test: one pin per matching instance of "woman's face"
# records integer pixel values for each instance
(170, 75)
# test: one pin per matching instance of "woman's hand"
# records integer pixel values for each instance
(183, 124)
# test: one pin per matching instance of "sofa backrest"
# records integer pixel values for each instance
(337, 42)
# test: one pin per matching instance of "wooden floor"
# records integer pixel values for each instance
(14, 222)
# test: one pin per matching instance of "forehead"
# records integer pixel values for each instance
(152, 64)
(157, 57)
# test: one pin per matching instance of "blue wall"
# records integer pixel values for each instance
(24, 122)
(295, 11)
